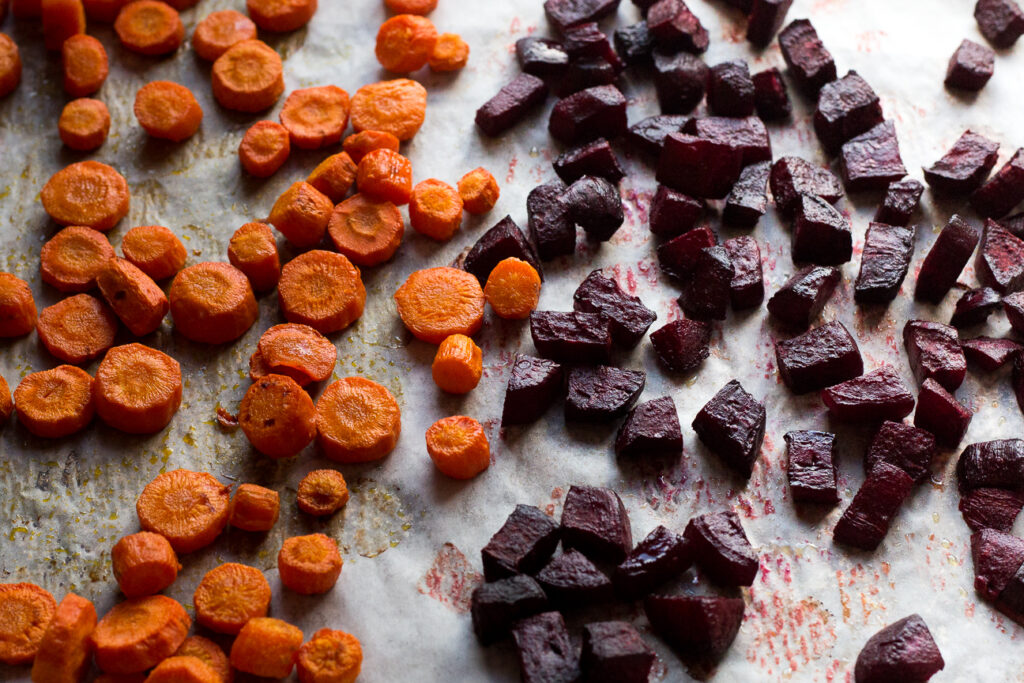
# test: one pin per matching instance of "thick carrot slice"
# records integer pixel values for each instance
(138, 389)
(479, 191)
(85, 65)
(435, 209)
(77, 329)
(459, 447)
(309, 565)
(139, 633)
(333, 656)
(458, 365)
(281, 16)
(451, 53)
(212, 303)
(368, 232)
(28, 610)
(168, 111)
(149, 27)
(182, 669)
(61, 20)
(438, 302)
(189, 509)
(155, 250)
(104, 11)
(405, 42)
(65, 651)
(334, 176)
(254, 508)
(322, 492)
(411, 6)
(266, 647)
(71, 259)
(136, 299)
(513, 289)
(253, 251)
(277, 416)
(397, 107)
(230, 595)
(249, 77)
(264, 148)
(55, 403)
(84, 124)
(301, 214)
(358, 420)
(144, 563)
(299, 352)
(86, 193)
(17, 307)
(321, 289)
(10, 65)
(208, 652)
(385, 175)
(316, 117)
(219, 31)
(6, 403)
(360, 144)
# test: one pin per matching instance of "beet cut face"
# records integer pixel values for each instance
(613, 652)
(902, 651)
(545, 649)
(650, 430)
(940, 413)
(496, 606)
(583, 74)
(990, 508)
(748, 135)
(994, 464)
(747, 287)
(803, 296)
(946, 260)
(933, 350)
(571, 579)
(678, 256)
(846, 107)
(541, 57)
(748, 199)
(595, 522)
(866, 521)
(765, 20)
(721, 549)
(1000, 260)
(818, 358)
(634, 43)
(1014, 223)
(810, 63)
(588, 41)
(699, 167)
(522, 545)
(512, 103)
(997, 557)
(596, 206)
(884, 262)
(695, 626)
(572, 337)
(1003, 191)
(661, 556)
(771, 99)
(821, 234)
(793, 177)
(909, 448)
(675, 27)
(565, 13)
(595, 158)
(1000, 21)
(551, 227)
(504, 240)
(811, 467)
(1013, 306)
(964, 167)
(706, 296)
(680, 80)
(600, 393)
(990, 353)
(975, 306)
(673, 213)
(598, 112)
(872, 160)
(535, 383)
(682, 345)
(970, 67)
(877, 395)
(629, 318)
(648, 135)
(900, 202)
(730, 89)
(731, 425)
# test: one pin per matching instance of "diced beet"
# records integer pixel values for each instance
(648, 135)
(990, 353)
(698, 166)
(613, 652)
(682, 345)
(541, 57)
(975, 306)
(1000, 260)
(545, 650)
(595, 522)
(991, 508)
(1003, 191)
(933, 350)
(551, 227)
(818, 358)
(572, 579)
(884, 262)
(901, 200)
(565, 13)
(877, 395)
(511, 104)
(872, 160)
(504, 240)
(811, 466)
(522, 545)
(730, 90)
(809, 62)
(677, 256)
(596, 206)
(821, 234)
(572, 336)
(588, 41)
(909, 448)
(1013, 305)
(800, 300)
(673, 213)
(535, 383)
(1011, 600)
(721, 549)
(597, 394)
(651, 429)
(635, 44)
(583, 74)
(731, 425)
(1014, 223)
(589, 114)
(771, 100)
(700, 626)
(595, 158)
(947, 258)
(680, 80)
(970, 67)
(846, 107)
(661, 556)
(902, 651)
(940, 413)
(629, 317)
(748, 199)
(866, 521)
(675, 27)
(708, 293)
(998, 464)
(498, 605)
(765, 20)
(1000, 21)
(793, 177)
(997, 557)
(748, 135)
(747, 287)
(965, 166)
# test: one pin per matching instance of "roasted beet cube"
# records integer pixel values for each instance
(884, 262)
(998, 464)
(793, 177)
(699, 167)
(675, 27)
(682, 345)
(635, 44)
(511, 104)
(1014, 224)
(522, 545)
(811, 467)
(595, 158)
(975, 306)
(1013, 305)
(947, 258)
(504, 240)
(574, 337)
(545, 650)
(661, 556)
(818, 358)
(746, 289)
(694, 625)
(877, 395)
(613, 652)
(648, 135)
(821, 234)
(970, 67)
(900, 202)
(707, 294)
(940, 413)
(1000, 21)
(678, 256)
(680, 80)
(748, 135)
(731, 425)
(588, 41)
(721, 549)
(730, 89)
(498, 605)
(1011, 600)
(589, 114)
(651, 429)
(1003, 191)
(964, 167)
(997, 557)
(535, 383)
(583, 74)
(866, 521)
(597, 394)
(799, 301)
(565, 13)
(765, 20)
(989, 353)
(809, 62)
(595, 521)
(872, 160)
(909, 448)
(748, 199)
(1000, 260)
(902, 651)
(989, 508)
(673, 213)
(596, 206)
(629, 317)
(933, 350)
(771, 100)
(551, 227)
(846, 107)
(541, 57)
(572, 579)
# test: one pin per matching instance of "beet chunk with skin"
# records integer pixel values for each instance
(811, 466)
(909, 448)
(1000, 21)
(504, 240)
(771, 99)
(595, 158)
(800, 300)
(1003, 191)
(765, 20)
(588, 41)
(634, 44)
(583, 74)
(872, 160)
(613, 652)
(748, 135)
(678, 256)
(747, 287)
(884, 262)
(680, 80)
(821, 234)
(1000, 260)
(793, 177)
(990, 353)
(512, 103)
(572, 337)
(650, 429)
(545, 650)
(541, 57)
(846, 107)
(902, 651)
(731, 425)
(661, 556)
(595, 522)
(682, 345)
(498, 605)
(809, 62)
(566, 13)
(997, 557)
(748, 199)
(675, 27)
(1014, 223)
(721, 549)
(598, 112)
(933, 350)
(601, 393)
(964, 167)
(946, 259)
(730, 89)
(572, 579)
(522, 545)
(975, 306)
(629, 318)
(535, 383)
(673, 213)
(998, 464)
(699, 167)
(596, 206)
(696, 626)
(866, 521)
(940, 413)
(970, 67)
(818, 358)
(551, 227)
(648, 135)
(900, 202)
(877, 395)
(1013, 305)
(990, 508)
(708, 293)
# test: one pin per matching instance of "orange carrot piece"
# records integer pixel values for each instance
(189, 509)
(55, 403)
(212, 303)
(249, 77)
(385, 175)
(71, 259)
(264, 148)
(479, 191)
(219, 31)
(411, 6)
(10, 65)
(357, 420)
(329, 656)
(144, 564)
(229, 595)
(138, 389)
(297, 351)
(277, 416)
(360, 144)
(77, 329)
(281, 16)
(149, 27)
(168, 111)
(405, 42)
(17, 307)
(321, 289)
(458, 365)
(208, 652)
(254, 508)
(65, 651)
(136, 299)
(334, 176)
(316, 117)
(438, 302)
(6, 403)
(84, 124)
(322, 492)
(266, 647)
(309, 565)
(182, 669)
(451, 53)
(28, 610)
(85, 65)
(104, 11)
(368, 232)
(301, 214)
(253, 251)
(139, 633)
(513, 289)
(397, 107)
(459, 447)
(61, 20)
(86, 193)
(435, 209)
(155, 250)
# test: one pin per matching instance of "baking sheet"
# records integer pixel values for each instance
(410, 537)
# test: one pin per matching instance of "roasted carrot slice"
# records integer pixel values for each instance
(405, 42)
(513, 289)
(435, 209)
(459, 447)
(212, 303)
(77, 329)
(277, 416)
(360, 144)
(309, 565)
(297, 351)
(458, 365)
(450, 53)
(84, 124)
(139, 633)
(333, 656)
(368, 232)
(155, 250)
(6, 403)
(334, 176)
(71, 259)
(479, 191)
(168, 111)
(61, 20)
(86, 193)
(254, 508)
(316, 117)
(144, 563)
(189, 509)
(182, 669)
(17, 307)
(438, 302)
(219, 31)
(104, 11)
(65, 651)
(322, 492)
(55, 403)
(138, 389)
(230, 595)
(357, 420)
(266, 647)
(136, 299)
(385, 175)
(411, 6)
(264, 148)
(397, 107)
(249, 77)
(149, 27)
(10, 65)
(28, 610)
(281, 16)
(321, 289)
(208, 652)
(301, 214)
(253, 251)
(85, 65)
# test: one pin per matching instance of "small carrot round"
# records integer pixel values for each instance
(229, 595)
(6, 403)
(149, 27)
(329, 657)
(155, 250)
(479, 191)
(358, 420)
(360, 144)
(144, 563)
(84, 124)
(28, 610)
(136, 299)
(397, 107)
(61, 20)
(316, 117)
(85, 65)
(385, 175)
(254, 508)
(266, 647)
(182, 669)
(297, 351)
(322, 492)
(86, 193)
(438, 302)
(405, 42)
(249, 77)
(457, 365)
(77, 329)
(55, 403)
(104, 11)
(281, 16)
(264, 148)
(301, 214)
(277, 416)
(309, 565)
(435, 209)
(212, 303)
(208, 652)
(65, 651)
(219, 31)
(411, 6)
(17, 307)
(513, 289)
(458, 446)
(139, 633)
(321, 289)
(10, 65)
(253, 251)
(138, 389)
(368, 232)
(334, 176)
(168, 111)
(450, 53)
(189, 509)
(71, 259)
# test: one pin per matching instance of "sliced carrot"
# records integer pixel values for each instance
(264, 148)
(277, 416)
(65, 651)
(316, 117)
(61, 20)
(17, 307)
(86, 193)
(249, 77)
(266, 647)
(139, 633)
(253, 251)
(55, 403)
(329, 656)
(435, 209)
(309, 565)
(281, 16)
(104, 11)
(357, 420)
(479, 191)
(385, 175)
(368, 232)
(299, 352)
(155, 250)
(322, 492)
(138, 389)
(212, 303)
(405, 42)
(6, 403)
(26, 9)
(301, 214)
(77, 329)
(360, 144)
(168, 111)
(229, 596)
(10, 65)
(258, 367)
(208, 652)
(411, 6)
(136, 299)
(397, 107)
(84, 124)
(254, 508)
(321, 289)
(189, 509)
(451, 53)
(149, 27)
(458, 446)
(182, 669)
(458, 365)
(334, 176)
(28, 610)
(513, 289)
(438, 302)
(85, 65)
(219, 31)
(144, 563)
(71, 259)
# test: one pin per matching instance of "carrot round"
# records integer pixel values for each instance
(322, 492)
(136, 299)
(6, 403)
(397, 107)
(189, 509)
(358, 420)
(86, 193)
(149, 27)
(411, 6)
(61, 20)
(334, 176)
(301, 214)
(104, 11)
(253, 251)
(230, 595)
(85, 64)
(144, 563)
(450, 53)
(138, 389)
(385, 175)
(321, 289)
(208, 652)
(458, 446)
(297, 351)
(405, 42)
(435, 209)
(248, 77)
(84, 124)
(264, 148)
(10, 65)
(254, 508)
(513, 289)
(219, 31)
(277, 416)
(28, 610)
(316, 117)
(139, 633)
(479, 191)
(309, 565)
(182, 669)
(281, 16)
(168, 111)
(65, 650)
(212, 303)
(329, 656)
(458, 365)
(266, 647)
(71, 259)
(360, 144)
(17, 307)
(55, 403)
(155, 250)
(438, 302)
(368, 232)
(77, 329)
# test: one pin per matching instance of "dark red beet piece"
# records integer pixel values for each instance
(800, 300)
(998, 464)
(613, 652)
(1011, 600)
(630, 319)
(675, 27)
(872, 160)
(589, 114)
(677, 256)
(721, 549)
(545, 649)
(909, 448)
(793, 177)
(818, 358)
(522, 545)
(1013, 305)
(595, 522)
(597, 394)
(650, 429)
(673, 213)
(680, 80)
(1000, 260)
(997, 557)
(635, 44)
(699, 167)
(496, 606)
(730, 90)
(765, 20)
(990, 353)
(551, 227)
(877, 395)
(811, 466)
(583, 74)
(975, 306)
(661, 556)
(731, 425)
(748, 199)
(595, 158)
(541, 57)
(947, 258)
(511, 104)
(884, 262)
(866, 521)
(989, 508)
(970, 67)
(1000, 21)
(901, 200)
(821, 234)
(596, 206)
(708, 293)
(933, 350)
(1003, 191)
(748, 135)
(1014, 224)
(682, 345)
(572, 336)
(846, 107)
(648, 135)
(809, 62)
(588, 41)
(535, 383)
(503, 241)
(902, 651)
(771, 100)
(572, 579)
(747, 287)
(694, 625)
(566, 13)
(940, 413)
(965, 166)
